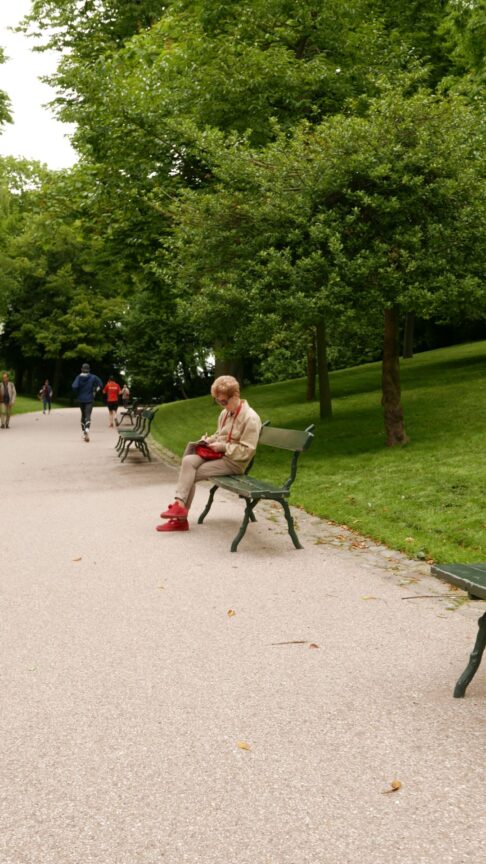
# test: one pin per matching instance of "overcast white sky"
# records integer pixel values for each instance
(35, 134)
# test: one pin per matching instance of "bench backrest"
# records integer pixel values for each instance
(147, 415)
(286, 439)
(294, 440)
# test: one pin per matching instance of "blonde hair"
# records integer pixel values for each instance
(226, 386)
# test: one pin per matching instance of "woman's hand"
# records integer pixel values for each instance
(218, 446)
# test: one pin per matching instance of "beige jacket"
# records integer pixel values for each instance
(240, 432)
(11, 389)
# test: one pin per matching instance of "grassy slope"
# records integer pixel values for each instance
(426, 499)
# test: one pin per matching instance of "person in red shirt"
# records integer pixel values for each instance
(112, 390)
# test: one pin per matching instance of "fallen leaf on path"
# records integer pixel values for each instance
(395, 785)
(77, 559)
(292, 642)
(243, 745)
(313, 645)
(161, 587)
(230, 613)
(370, 597)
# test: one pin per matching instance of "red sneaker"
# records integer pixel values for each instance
(175, 511)
(174, 525)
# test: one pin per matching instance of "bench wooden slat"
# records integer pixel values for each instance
(469, 577)
(248, 487)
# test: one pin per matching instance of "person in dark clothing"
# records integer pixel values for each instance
(45, 393)
(85, 386)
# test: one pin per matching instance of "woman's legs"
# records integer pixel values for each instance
(194, 469)
(187, 476)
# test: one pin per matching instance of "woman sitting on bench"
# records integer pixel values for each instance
(228, 451)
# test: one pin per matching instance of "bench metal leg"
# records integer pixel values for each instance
(124, 453)
(208, 505)
(250, 505)
(474, 660)
(290, 524)
(252, 515)
(141, 445)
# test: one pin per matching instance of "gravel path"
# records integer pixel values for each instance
(128, 690)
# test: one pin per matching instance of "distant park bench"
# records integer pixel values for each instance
(138, 435)
(471, 578)
(130, 413)
(253, 491)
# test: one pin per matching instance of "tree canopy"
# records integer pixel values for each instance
(270, 184)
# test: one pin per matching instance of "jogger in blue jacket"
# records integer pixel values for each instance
(85, 386)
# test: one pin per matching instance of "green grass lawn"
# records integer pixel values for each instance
(25, 404)
(426, 499)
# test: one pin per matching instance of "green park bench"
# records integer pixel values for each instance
(138, 435)
(130, 413)
(253, 491)
(471, 578)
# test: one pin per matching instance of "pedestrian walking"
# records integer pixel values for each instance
(228, 451)
(112, 390)
(45, 393)
(85, 386)
(8, 395)
(125, 396)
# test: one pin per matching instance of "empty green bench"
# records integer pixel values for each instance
(138, 435)
(252, 491)
(471, 578)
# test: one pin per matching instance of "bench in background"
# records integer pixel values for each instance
(253, 491)
(130, 413)
(138, 435)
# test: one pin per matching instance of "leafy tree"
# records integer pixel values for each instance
(5, 116)
(66, 300)
(382, 215)
(264, 224)
(463, 32)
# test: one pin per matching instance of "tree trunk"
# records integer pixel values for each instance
(390, 382)
(229, 366)
(311, 369)
(325, 404)
(408, 334)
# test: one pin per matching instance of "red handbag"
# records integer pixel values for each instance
(207, 453)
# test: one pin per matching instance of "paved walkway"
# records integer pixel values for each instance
(127, 688)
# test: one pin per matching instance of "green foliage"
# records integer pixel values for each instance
(5, 116)
(463, 32)
(248, 169)
(426, 499)
(65, 299)
(341, 220)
